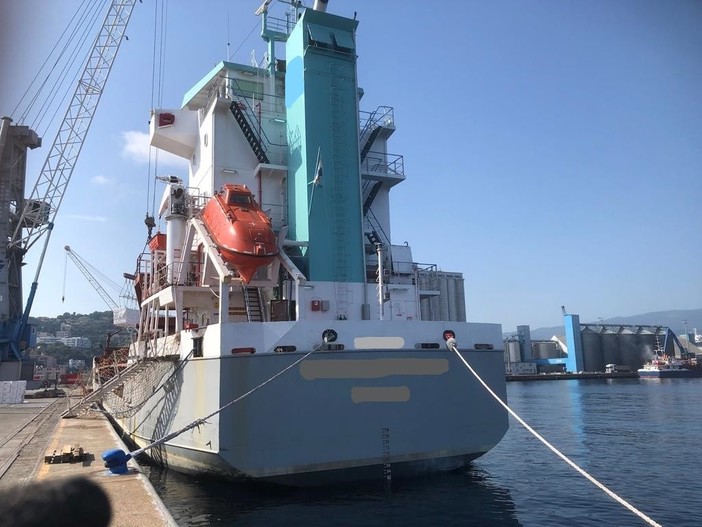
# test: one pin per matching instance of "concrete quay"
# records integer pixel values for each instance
(34, 429)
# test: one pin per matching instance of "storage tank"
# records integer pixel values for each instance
(646, 342)
(629, 345)
(544, 349)
(513, 352)
(592, 350)
(524, 335)
(611, 352)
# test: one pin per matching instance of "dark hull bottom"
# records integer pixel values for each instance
(677, 374)
(193, 462)
(380, 472)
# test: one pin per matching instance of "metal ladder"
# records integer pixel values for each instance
(252, 301)
(255, 141)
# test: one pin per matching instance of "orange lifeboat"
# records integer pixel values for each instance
(241, 230)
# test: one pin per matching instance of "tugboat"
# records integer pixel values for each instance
(665, 366)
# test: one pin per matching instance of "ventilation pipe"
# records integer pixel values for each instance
(320, 5)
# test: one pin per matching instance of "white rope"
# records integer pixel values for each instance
(203, 420)
(451, 344)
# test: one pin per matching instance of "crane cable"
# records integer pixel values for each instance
(158, 69)
(78, 56)
(28, 100)
(103, 278)
(42, 68)
(72, 44)
(452, 345)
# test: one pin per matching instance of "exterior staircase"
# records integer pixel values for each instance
(369, 142)
(253, 139)
(371, 196)
(252, 300)
(115, 382)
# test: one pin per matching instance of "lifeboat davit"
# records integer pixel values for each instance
(241, 230)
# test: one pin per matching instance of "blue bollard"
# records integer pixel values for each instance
(116, 460)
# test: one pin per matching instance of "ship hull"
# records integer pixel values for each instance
(334, 417)
(670, 374)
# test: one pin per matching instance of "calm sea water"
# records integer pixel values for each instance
(641, 438)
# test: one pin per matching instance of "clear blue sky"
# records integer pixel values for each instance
(553, 148)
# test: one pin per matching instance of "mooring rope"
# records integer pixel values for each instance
(203, 420)
(452, 345)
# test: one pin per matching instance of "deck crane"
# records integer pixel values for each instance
(34, 217)
(127, 316)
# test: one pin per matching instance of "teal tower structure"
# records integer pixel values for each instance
(324, 189)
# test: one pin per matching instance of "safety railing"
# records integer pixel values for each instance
(380, 163)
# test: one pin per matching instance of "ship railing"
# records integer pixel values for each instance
(381, 116)
(196, 202)
(266, 107)
(276, 213)
(425, 276)
(380, 163)
(258, 107)
(369, 121)
(371, 224)
(152, 274)
(280, 25)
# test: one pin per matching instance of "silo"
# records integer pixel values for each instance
(629, 344)
(646, 348)
(592, 350)
(543, 349)
(524, 335)
(513, 351)
(610, 346)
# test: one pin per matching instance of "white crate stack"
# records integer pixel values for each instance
(12, 392)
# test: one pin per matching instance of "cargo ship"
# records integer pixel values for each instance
(276, 301)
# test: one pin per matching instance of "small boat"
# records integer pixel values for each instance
(241, 230)
(668, 367)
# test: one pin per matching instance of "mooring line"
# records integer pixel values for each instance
(452, 345)
(203, 420)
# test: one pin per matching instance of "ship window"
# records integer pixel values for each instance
(249, 89)
(239, 199)
(320, 36)
(197, 346)
(343, 40)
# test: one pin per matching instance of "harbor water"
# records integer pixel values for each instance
(640, 438)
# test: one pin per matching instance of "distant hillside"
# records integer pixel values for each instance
(672, 319)
(94, 326)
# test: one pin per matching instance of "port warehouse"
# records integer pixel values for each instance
(591, 347)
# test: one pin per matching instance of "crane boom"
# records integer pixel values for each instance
(30, 218)
(80, 263)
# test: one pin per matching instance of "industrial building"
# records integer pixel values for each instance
(591, 347)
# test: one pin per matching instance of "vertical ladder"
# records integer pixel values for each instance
(338, 141)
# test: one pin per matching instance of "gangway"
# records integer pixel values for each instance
(115, 382)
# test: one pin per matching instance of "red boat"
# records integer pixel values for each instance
(241, 230)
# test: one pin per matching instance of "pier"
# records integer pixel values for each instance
(42, 455)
